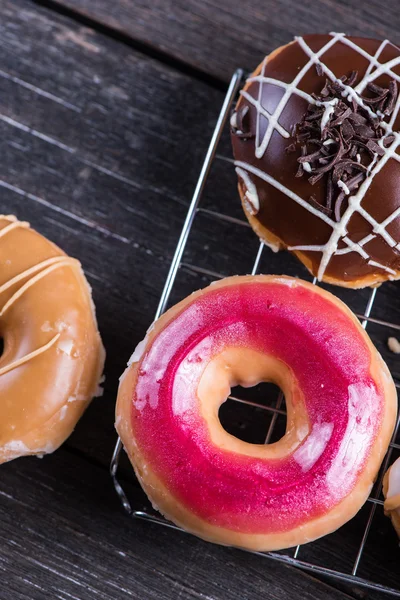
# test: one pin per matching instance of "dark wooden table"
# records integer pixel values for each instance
(106, 109)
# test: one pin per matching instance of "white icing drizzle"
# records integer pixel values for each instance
(66, 261)
(372, 163)
(329, 110)
(307, 167)
(339, 227)
(32, 271)
(262, 111)
(361, 243)
(29, 356)
(343, 187)
(13, 225)
(372, 60)
(233, 120)
(251, 191)
(48, 266)
(373, 263)
(279, 186)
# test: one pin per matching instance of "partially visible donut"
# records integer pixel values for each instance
(341, 406)
(391, 491)
(53, 357)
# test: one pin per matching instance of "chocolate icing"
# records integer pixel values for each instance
(280, 214)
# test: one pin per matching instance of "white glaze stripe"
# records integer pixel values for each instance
(274, 120)
(354, 247)
(259, 104)
(27, 357)
(66, 262)
(262, 111)
(32, 271)
(51, 264)
(361, 243)
(13, 225)
(281, 84)
(279, 186)
(339, 229)
(347, 90)
(373, 60)
(376, 264)
(251, 191)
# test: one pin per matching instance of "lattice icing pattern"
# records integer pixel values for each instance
(273, 129)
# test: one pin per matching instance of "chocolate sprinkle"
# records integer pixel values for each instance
(345, 147)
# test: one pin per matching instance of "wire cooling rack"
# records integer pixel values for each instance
(373, 509)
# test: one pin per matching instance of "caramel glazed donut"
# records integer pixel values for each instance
(341, 409)
(53, 356)
(316, 143)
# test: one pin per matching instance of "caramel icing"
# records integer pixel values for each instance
(53, 356)
(361, 247)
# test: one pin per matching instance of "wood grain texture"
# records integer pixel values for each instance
(101, 147)
(216, 37)
(64, 536)
(90, 158)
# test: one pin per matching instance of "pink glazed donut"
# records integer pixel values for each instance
(341, 405)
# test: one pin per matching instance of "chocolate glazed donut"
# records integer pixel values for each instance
(316, 145)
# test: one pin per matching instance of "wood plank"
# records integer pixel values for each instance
(64, 536)
(216, 37)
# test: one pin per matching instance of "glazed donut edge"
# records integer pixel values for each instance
(276, 245)
(167, 504)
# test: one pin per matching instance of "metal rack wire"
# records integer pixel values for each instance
(375, 502)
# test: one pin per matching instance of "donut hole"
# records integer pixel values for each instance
(243, 371)
(1, 346)
(253, 424)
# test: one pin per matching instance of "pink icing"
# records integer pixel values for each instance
(331, 362)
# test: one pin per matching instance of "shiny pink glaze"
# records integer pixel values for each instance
(331, 362)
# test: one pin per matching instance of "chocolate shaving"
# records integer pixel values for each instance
(338, 206)
(329, 193)
(393, 90)
(389, 139)
(313, 201)
(352, 78)
(373, 146)
(375, 89)
(291, 148)
(342, 148)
